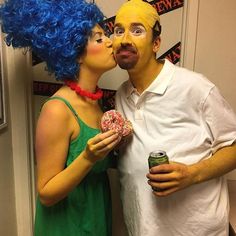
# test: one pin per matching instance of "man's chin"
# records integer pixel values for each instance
(126, 64)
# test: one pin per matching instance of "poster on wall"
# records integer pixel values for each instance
(2, 90)
(171, 14)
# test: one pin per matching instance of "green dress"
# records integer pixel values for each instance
(87, 208)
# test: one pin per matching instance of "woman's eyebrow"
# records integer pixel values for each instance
(94, 33)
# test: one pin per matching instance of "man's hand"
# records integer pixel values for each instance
(170, 178)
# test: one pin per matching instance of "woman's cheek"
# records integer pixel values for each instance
(94, 50)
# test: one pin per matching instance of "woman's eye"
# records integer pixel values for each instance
(99, 40)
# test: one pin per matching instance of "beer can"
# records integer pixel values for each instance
(157, 158)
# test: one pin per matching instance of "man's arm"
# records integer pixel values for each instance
(176, 176)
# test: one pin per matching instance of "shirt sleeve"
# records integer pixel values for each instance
(220, 119)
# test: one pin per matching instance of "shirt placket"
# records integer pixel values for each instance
(137, 101)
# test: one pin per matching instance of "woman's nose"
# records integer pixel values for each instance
(108, 42)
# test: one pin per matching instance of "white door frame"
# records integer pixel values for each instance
(189, 33)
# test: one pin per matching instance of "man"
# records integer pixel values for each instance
(182, 113)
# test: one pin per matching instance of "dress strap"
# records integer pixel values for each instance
(67, 104)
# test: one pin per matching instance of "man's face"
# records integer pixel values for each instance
(132, 41)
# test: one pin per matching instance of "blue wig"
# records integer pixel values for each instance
(56, 31)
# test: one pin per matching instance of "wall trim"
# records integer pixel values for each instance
(189, 33)
(18, 68)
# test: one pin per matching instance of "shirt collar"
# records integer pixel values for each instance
(160, 84)
(129, 89)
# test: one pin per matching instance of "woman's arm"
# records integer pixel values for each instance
(53, 135)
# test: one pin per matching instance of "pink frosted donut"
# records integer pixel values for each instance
(112, 120)
(127, 128)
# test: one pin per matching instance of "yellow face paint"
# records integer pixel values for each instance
(145, 11)
(133, 34)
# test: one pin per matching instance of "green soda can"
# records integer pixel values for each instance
(157, 158)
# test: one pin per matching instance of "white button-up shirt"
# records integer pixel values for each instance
(182, 113)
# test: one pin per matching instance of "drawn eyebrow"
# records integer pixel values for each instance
(117, 25)
(137, 24)
(132, 25)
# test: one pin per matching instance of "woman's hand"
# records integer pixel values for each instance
(100, 145)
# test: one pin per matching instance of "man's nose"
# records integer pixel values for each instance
(126, 39)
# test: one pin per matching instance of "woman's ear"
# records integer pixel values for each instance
(80, 60)
(156, 44)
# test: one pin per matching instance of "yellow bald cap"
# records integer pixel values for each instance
(146, 12)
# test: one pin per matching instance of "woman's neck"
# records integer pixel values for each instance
(88, 80)
(85, 86)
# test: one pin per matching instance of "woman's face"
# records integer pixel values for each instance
(98, 55)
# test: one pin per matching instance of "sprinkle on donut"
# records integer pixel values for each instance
(127, 128)
(113, 120)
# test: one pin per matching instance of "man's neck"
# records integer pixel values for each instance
(142, 78)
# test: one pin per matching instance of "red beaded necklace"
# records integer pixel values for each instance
(83, 93)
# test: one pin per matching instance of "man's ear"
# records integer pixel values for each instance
(156, 44)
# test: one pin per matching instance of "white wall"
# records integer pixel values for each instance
(216, 47)
(7, 191)
(8, 224)
(7, 196)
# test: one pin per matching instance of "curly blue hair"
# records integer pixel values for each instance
(56, 31)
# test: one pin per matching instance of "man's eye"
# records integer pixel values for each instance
(118, 31)
(138, 31)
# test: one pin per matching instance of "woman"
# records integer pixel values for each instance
(72, 183)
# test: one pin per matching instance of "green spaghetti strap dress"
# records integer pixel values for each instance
(87, 209)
